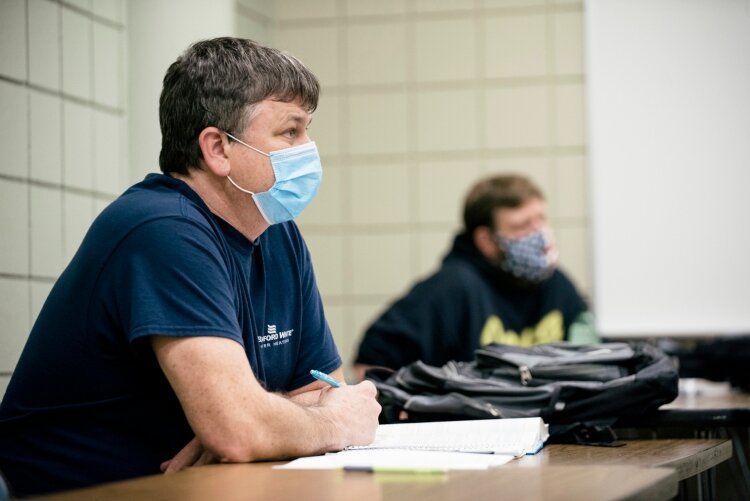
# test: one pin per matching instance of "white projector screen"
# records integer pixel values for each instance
(668, 100)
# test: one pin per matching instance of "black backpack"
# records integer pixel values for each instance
(579, 390)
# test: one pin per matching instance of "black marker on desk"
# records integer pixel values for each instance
(325, 378)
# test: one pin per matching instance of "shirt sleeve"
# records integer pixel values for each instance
(569, 301)
(172, 279)
(583, 330)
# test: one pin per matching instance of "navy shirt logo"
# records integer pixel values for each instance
(273, 337)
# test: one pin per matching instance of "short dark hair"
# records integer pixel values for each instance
(493, 193)
(216, 83)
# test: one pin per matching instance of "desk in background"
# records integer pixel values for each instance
(694, 460)
(701, 404)
(688, 457)
(703, 409)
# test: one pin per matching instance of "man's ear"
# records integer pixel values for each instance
(484, 240)
(213, 144)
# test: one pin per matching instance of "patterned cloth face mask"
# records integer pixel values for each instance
(298, 172)
(532, 257)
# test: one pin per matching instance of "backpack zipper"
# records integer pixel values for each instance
(525, 374)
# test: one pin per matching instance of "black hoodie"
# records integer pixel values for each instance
(469, 302)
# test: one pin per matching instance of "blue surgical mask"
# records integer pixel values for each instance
(298, 174)
(532, 257)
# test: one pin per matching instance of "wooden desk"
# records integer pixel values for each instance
(704, 409)
(699, 394)
(230, 482)
(707, 405)
(688, 457)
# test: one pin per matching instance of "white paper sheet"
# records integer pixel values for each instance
(500, 436)
(399, 459)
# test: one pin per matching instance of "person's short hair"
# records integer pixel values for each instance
(217, 83)
(493, 193)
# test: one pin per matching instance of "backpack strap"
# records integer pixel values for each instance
(597, 433)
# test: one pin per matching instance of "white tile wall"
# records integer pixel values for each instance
(108, 9)
(46, 232)
(13, 39)
(4, 381)
(14, 128)
(108, 160)
(516, 46)
(381, 7)
(433, 246)
(375, 53)
(517, 117)
(512, 3)
(326, 207)
(570, 187)
(46, 137)
(253, 29)
(381, 263)
(377, 123)
(14, 317)
(39, 293)
(44, 44)
(43, 221)
(447, 120)
(79, 213)
(14, 220)
(443, 5)
(107, 63)
(78, 146)
(569, 115)
(441, 201)
(327, 252)
(337, 322)
(574, 254)
(364, 315)
(380, 193)
(76, 54)
(316, 46)
(325, 128)
(262, 7)
(100, 205)
(81, 4)
(569, 43)
(304, 9)
(445, 50)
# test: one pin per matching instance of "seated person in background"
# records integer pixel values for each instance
(498, 284)
(191, 308)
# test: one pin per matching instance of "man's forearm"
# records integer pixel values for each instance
(305, 399)
(238, 421)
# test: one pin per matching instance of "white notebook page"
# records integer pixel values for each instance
(499, 436)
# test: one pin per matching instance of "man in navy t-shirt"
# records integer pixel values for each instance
(185, 327)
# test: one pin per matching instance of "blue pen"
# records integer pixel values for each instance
(325, 378)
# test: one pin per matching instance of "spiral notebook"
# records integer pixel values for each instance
(438, 446)
(517, 436)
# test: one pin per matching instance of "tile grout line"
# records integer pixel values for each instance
(29, 234)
